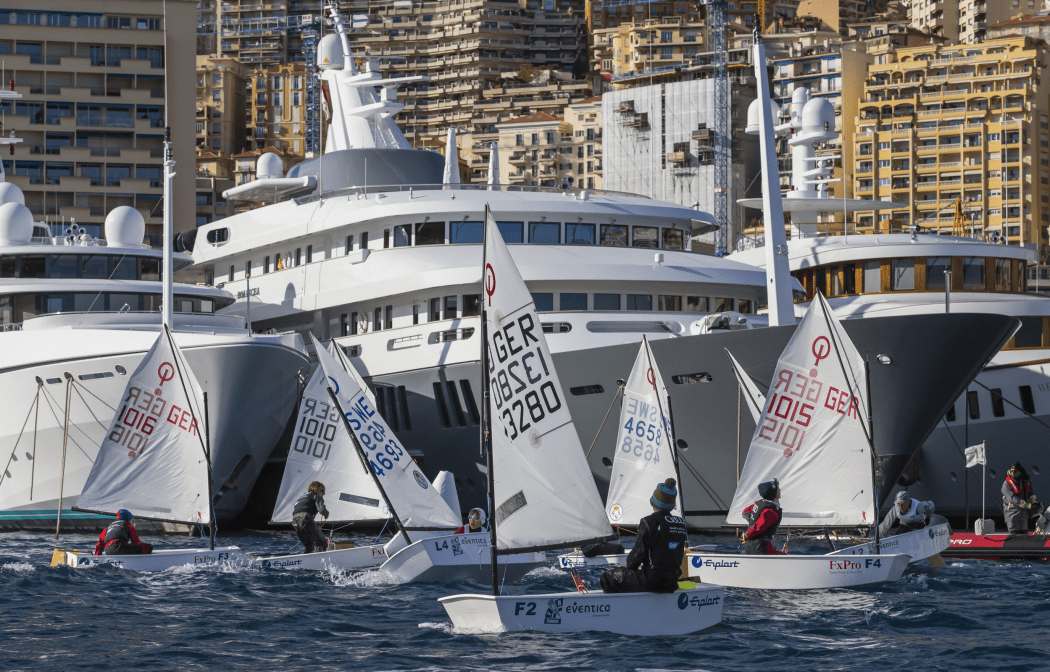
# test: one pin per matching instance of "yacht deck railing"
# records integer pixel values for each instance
(385, 188)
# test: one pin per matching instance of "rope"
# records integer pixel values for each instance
(703, 484)
(984, 486)
(36, 400)
(615, 397)
(381, 532)
(1001, 397)
(738, 395)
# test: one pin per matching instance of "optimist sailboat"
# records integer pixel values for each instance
(543, 494)
(919, 544)
(155, 461)
(321, 450)
(813, 435)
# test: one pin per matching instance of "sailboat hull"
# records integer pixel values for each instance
(795, 572)
(919, 544)
(459, 557)
(157, 561)
(359, 557)
(643, 614)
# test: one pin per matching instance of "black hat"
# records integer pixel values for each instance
(769, 489)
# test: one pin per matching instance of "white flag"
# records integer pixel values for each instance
(975, 455)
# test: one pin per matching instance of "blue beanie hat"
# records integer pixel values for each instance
(665, 496)
(769, 489)
(124, 514)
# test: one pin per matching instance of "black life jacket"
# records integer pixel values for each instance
(118, 529)
(665, 539)
(755, 512)
(308, 504)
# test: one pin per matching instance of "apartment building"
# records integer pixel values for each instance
(275, 108)
(214, 176)
(652, 47)
(221, 111)
(947, 122)
(95, 82)
(966, 21)
(257, 33)
(1036, 26)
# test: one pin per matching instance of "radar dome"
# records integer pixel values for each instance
(330, 52)
(268, 166)
(125, 227)
(754, 123)
(816, 114)
(16, 224)
(10, 193)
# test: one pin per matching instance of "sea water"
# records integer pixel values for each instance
(973, 615)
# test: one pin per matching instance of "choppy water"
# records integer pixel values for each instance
(974, 615)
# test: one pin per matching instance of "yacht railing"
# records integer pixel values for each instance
(62, 241)
(749, 241)
(386, 188)
(13, 326)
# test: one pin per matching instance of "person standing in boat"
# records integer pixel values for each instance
(121, 538)
(306, 508)
(655, 562)
(906, 515)
(1019, 504)
(764, 518)
(475, 522)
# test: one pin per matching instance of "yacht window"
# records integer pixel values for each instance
(377, 323)
(32, 266)
(248, 269)
(696, 304)
(1002, 275)
(973, 405)
(579, 234)
(7, 267)
(671, 304)
(849, 279)
(150, 303)
(435, 310)
(572, 301)
(973, 273)
(902, 274)
(386, 238)
(353, 323)
(207, 306)
(309, 253)
(674, 239)
(544, 301)
(836, 287)
(872, 277)
(430, 233)
(471, 305)
(1027, 402)
(364, 240)
(63, 266)
(512, 231)
(997, 403)
(126, 268)
(83, 303)
(403, 235)
(614, 235)
(333, 327)
(820, 281)
(349, 245)
(125, 302)
(950, 415)
(231, 272)
(185, 306)
(744, 306)
(935, 268)
(639, 302)
(415, 313)
(464, 233)
(545, 233)
(1030, 335)
(298, 256)
(389, 323)
(606, 301)
(646, 236)
(450, 307)
(266, 265)
(723, 304)
(150, 270)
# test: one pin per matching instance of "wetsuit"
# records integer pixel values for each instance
(655, 562)
(1015, 504)
(306, 507)
(914, 518)
(121, 538)
(764, 516)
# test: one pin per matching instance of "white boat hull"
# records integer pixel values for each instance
(153, 562)
(459, 557)
(359, 557)
(919, 544)
(795, 572)
(577, 559)
(645, 614)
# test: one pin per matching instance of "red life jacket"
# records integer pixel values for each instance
(1024, 490)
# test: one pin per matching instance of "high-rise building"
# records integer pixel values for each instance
(95, 82)
(966, 21)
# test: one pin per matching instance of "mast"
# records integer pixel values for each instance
(368, 467)
(207, 455)
(486, 420)
(871, 449)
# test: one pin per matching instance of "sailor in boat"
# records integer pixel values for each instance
(121, 538)
(1019, 504)
(905, 515)
(655, 562)
(764, 517)
(306, 507)
(475, 522)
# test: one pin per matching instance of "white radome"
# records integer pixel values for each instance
(269, 166)
(16, 224)
(125, 227)
(10, 193)
(816, 114)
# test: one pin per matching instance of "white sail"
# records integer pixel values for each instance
(321, 450)
(414, 499)
(812, 435)
(754, 399)
(644, 453)
(336, 351)
(544, 494)
(153, 460)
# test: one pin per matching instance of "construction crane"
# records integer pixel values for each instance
(716, 12)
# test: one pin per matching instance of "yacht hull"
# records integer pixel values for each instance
(437, 417)
(252, 391)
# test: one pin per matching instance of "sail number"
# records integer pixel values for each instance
(521, 383)
(379, 445)
(642, 435)
(317, 429)
(138, 416)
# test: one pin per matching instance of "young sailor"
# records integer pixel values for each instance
(303, 521)
(906, 514)
(475, 522)
(655, 562)
(1019, 504)
(764, 517)
(121, 538)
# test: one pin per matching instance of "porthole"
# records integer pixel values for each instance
(121, 370)
(992, 472)
(682, 445)
(1035, 470)
(954, 477)
(607, 462)
(586, 389)
(691, 378)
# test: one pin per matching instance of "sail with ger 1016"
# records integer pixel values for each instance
(813, 434)
(644, 443)
(413, 498)
(153, 460)
(544, 493)
(321, 450)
